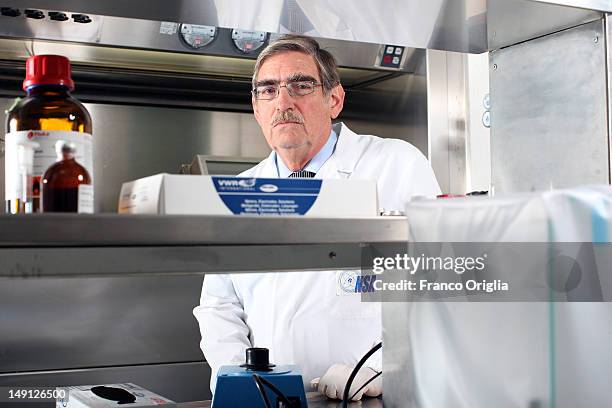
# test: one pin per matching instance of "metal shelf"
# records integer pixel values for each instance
(77, 245)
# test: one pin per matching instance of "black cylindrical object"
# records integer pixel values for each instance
(258, 359)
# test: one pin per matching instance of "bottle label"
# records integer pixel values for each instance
(86, 201)
(40, 145)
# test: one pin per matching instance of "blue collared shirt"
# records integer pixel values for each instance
(315, 163)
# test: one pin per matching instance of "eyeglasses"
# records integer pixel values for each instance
(296, 88)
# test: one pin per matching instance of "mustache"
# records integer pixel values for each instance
(287, 116)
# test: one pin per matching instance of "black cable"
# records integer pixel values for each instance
(261, 390)
(347, 386)
(278, 392)
(375, 376)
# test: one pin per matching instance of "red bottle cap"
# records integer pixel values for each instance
(48, 70)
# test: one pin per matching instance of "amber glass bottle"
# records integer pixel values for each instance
(66, 185)
(45, 116)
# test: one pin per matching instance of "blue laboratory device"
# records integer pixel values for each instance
(236, 386)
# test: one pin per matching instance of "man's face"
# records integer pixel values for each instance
(295, 126)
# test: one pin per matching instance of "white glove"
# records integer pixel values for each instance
(333, 381)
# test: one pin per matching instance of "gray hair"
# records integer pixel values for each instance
(325, 61)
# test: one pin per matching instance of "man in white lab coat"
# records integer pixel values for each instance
(304, 318)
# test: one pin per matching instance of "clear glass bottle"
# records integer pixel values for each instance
(47, 114)
(66, 185)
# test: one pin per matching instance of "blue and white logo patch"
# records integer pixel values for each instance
(346, 281)
(352, 282)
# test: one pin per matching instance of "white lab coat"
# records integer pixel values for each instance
(300, 316)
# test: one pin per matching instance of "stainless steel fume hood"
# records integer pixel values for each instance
(472, 26)
(156, 102)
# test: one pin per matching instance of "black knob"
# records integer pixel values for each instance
(58, 16)
(35, 14)
(81, 18)
(258, 359)
(10, 12)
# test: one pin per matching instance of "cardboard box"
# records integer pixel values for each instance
(82, 396)
(227, 195)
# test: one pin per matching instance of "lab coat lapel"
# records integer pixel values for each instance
(342, 162)
(268, 168)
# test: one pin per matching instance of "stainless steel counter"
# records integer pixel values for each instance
(52, 245)
(115, 230)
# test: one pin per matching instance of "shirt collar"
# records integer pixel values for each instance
(315, 163)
